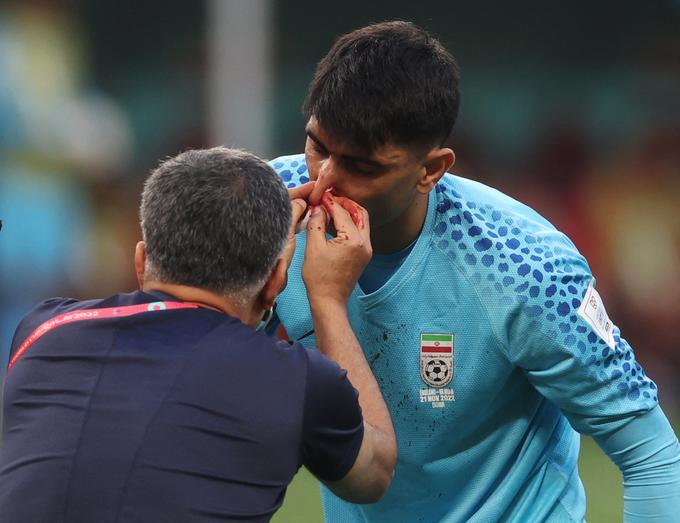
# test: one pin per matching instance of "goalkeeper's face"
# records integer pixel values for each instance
(385, 181)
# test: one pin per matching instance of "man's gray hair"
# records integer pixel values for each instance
(216, 219)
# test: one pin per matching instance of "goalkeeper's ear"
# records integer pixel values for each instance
(433, 167)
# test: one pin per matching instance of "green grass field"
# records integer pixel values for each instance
(601, 478)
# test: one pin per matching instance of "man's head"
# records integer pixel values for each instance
(381, 105)
(386, 83)
(214, 219)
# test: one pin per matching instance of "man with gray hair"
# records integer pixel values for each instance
(166, 404)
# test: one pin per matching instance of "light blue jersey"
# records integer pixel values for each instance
(489, 343)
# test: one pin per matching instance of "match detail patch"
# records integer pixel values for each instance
(593, 312)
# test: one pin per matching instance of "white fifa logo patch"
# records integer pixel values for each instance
(593, 312)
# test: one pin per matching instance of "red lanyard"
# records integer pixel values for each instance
(95, 314)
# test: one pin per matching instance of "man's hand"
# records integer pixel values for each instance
(299, 206)
(302, 191)
(298, 201)
(330, 271)
(332, 267)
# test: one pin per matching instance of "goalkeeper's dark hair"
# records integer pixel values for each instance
(388, 82)
(216, 219)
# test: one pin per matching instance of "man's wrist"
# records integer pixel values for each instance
(327, 305)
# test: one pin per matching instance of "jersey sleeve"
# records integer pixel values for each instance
(559, 333)
(543, 306)
(333, 426)
(647, 452)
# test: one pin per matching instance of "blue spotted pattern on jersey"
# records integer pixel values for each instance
(542, 280)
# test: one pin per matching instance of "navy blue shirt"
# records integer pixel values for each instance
(176, 415)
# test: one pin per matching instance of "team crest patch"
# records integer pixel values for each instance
(436, 359)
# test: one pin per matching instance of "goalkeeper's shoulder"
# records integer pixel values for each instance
(291, 168)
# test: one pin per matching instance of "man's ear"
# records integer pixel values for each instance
(274, 285)
(436, 163)
(140, 262)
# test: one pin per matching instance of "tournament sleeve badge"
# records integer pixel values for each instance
(436, 359)
(593, 312)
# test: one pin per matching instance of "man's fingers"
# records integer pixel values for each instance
(316, 194)
(299, 206)
(323, 183)
(316, 227)
(341, 218)
(358, 214)
(302, 191)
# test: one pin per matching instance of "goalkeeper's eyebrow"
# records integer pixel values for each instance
(350, 157)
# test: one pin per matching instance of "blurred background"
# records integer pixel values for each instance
(573, 108)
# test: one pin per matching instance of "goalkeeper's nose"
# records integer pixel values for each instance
(325, 179)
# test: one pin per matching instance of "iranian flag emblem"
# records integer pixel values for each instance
(436, 359)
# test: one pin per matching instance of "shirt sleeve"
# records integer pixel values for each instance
(333, 426)
(575, 356)
(36, 317)
(647, 452)
(559, 333)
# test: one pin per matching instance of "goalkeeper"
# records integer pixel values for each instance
(481, 322)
